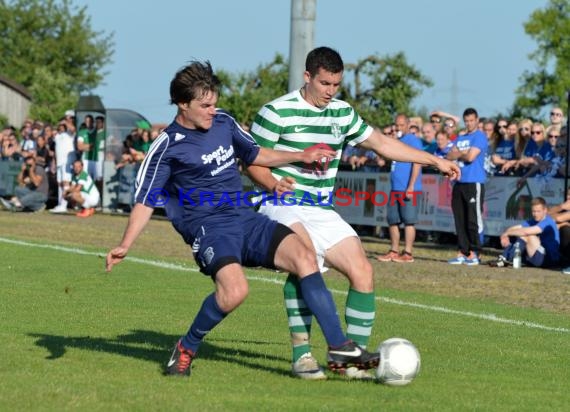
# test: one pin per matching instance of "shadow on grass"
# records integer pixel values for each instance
(158, 346)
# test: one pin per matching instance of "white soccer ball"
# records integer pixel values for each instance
(399, 362)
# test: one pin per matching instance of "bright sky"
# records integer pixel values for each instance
(482, 41)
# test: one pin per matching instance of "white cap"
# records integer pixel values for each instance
(70, 113)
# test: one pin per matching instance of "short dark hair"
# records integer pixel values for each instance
(469, 111)
(193, 81)
(323, 58)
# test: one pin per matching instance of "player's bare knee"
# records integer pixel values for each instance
(361, 276)
(230, 299)
(305, 262)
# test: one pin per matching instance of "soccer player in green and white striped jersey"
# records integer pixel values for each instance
(308, 119)
(82, 191)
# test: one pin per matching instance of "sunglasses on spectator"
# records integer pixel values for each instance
(502, 126)
(449, 125)
(524, 128)
(536, 132)
(553, 136)
(435, 120)
(556, 114)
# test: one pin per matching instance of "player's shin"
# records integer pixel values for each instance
(299, 317)
(320, 302)
(359, 316)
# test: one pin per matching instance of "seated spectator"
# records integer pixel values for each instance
(32, 192)
(561, 215)
(538, 239)
(82, 191)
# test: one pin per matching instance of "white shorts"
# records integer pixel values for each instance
(90, 200)
(325, 227)
(63, 173)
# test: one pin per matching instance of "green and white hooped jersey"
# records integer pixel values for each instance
(86, 182)
(290, 123)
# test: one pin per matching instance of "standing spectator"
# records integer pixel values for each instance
(428, 141)
(406, 186)
(537, 149)
(86, 143)
(450, 126)
(64, 157)
(98, 151)
(556, 117)
(11, 149)
(504, 150)
(82, 191)
(538, 239)
(468, 192)
(32, 191)
(443, 143)
(524, 136)
(436, 121)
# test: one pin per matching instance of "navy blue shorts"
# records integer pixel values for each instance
(249, 239)
(540, 259)
(403, 211)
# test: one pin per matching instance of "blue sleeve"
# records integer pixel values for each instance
(246, 148)
(543, 224)
(153, 173)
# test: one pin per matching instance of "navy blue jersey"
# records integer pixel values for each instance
(194, 173)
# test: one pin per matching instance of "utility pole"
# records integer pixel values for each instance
(301, 42)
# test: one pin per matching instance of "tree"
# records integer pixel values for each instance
(548, 85)
(40, 38)
(383, 87)
(245, 93)
(391, 85)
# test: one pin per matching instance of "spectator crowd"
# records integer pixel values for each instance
(62, 164)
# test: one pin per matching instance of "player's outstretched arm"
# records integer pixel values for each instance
(269, 157)
(395, 150)
(140, 215)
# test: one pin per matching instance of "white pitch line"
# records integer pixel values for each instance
(167, 265)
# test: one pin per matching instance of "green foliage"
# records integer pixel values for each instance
(391, 85)
(51, 90)
(550, 82)
(243, 94)
(383, 87)
(54, 36)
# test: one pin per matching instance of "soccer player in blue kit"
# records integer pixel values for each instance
(191, 169)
